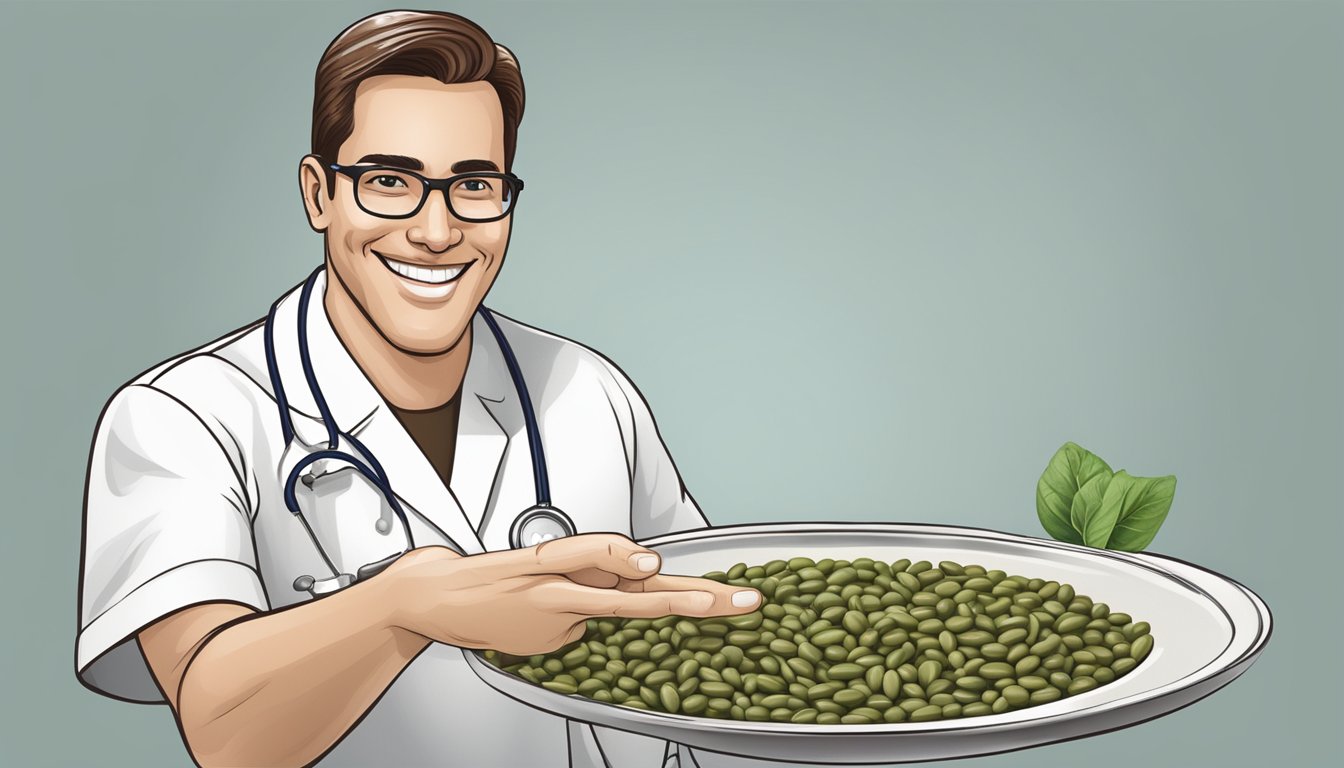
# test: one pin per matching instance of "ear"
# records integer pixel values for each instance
(316, 195)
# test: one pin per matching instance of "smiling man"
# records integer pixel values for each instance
(292, 533)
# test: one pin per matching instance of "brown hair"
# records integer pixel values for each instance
(444, 46)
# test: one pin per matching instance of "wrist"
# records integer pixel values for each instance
(385, 604)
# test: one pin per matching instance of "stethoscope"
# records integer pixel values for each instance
(541, 522)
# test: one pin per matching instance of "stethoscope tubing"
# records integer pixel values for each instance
(539, 474)
(367, 464)
(373, 470)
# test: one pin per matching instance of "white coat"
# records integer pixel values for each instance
(184, 506)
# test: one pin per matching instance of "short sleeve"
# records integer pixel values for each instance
(167, 525)
(660, 503)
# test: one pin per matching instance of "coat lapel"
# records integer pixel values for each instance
(415, 481)
(485, 425)
(359, 410)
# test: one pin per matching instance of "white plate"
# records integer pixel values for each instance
(1207, 630)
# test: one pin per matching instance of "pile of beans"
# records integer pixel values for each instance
(854, 642)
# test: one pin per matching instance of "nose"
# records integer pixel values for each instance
(434, 227)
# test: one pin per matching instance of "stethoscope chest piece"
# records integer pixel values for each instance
(539, 523)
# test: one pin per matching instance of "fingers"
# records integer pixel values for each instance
(728, 600)
(679, 595)
(596, 577)
(609, 552)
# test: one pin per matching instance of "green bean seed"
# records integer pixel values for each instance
(924, 599)
(828, 637)
(929, 577)
(928, 672)
(716, 689)
(743, 638)
(959, 624)
(946, 588)
(1032, 682)
(930, 626)
(924, 714)
(972, 683)
(850, 697)
(1044, 696)
(669, 698)
(1070, 622)
(975, 638)
(846, 671)
(855, 622)
(1141, 647)
(996, 670)
(891, 683)
(1046, 647)
(1081, 684)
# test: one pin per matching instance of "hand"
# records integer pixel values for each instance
(538, 599)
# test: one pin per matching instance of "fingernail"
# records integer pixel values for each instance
(644, 562)
(744, 599)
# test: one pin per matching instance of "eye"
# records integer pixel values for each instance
(388, 181)
(475, 185)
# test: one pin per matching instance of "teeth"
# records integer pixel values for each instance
(432, 275)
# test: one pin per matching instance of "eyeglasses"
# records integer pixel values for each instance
(396, 193)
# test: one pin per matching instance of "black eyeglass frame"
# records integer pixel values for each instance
(356, 171)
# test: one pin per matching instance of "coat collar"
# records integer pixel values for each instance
(489, 416)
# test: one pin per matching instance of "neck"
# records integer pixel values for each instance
(407, 381)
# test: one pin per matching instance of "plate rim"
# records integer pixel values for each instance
(1223, 670)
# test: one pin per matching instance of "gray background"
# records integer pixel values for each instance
(867, 261)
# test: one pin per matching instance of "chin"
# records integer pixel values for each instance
(426, 342)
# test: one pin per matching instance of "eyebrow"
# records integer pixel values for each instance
(467, 166)
(413, 164)
(398, 161)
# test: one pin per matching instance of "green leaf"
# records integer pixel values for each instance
(1141, 505)
(1088, 514)
(1069, 469)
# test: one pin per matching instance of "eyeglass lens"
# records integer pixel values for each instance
(390, 193)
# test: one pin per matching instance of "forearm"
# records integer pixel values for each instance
(281, 688)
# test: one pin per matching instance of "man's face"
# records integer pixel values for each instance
(436, 130)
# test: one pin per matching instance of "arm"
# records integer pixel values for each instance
(278, 688)
(168, 559)
(281, 688)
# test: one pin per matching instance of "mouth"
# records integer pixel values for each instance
(425, 281)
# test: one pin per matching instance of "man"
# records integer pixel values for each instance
(231, 486)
